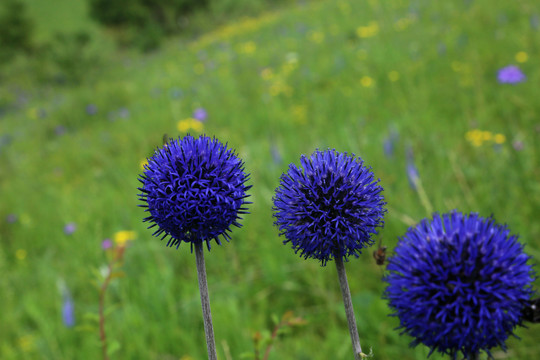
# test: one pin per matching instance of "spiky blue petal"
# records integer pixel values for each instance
(330, 207)
(458, 283)
(194, 190)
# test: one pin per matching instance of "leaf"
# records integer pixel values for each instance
(113, 347)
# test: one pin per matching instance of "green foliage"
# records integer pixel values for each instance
(70, 56)
(16, 29)
(275, 86)
(143, 22)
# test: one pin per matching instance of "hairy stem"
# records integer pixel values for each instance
(349, 311)
(205, 302)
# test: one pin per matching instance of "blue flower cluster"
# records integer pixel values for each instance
(194, 190)
(458, 282)
(330, 208)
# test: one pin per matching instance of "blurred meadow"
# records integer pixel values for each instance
(409, 86)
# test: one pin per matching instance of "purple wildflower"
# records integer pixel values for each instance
(70, 228)
(68, 310)
(412, 171)
(510, 75)
(389, 143)
(91, 109)
(200, 114)
(60, 130)
(518, 145)
(175, 93)
(11, 218)
(276, 154)
(106, 244)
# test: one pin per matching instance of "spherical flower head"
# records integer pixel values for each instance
(510, 75)
(194, 190)
(330, 207)
(458, 283)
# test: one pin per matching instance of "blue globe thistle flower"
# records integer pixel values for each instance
(458, 283)
(194, 190)
(330, 208)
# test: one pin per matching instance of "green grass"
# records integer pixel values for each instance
(290, 79)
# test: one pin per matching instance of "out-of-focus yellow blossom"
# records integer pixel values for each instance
(122, 237)
(366, 81)
(279, 87)
(344, 7)
(458, 66)
(486, 135)
(247, 48)
(479, 137)
(287, 68)
(267, 74)
(242, 27)
(27, 343)
(368, 31)
(299, 113)
(142, 163)
(20, 254)
(499, 139)
(189, 124)
(198, 68)
(316, 37)
(405, 22)
(33, 113)
(522, 57)
(186, 357)
(393, 76)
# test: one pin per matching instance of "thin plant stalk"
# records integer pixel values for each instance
(205, 302)
(349, 311)
(102, 291)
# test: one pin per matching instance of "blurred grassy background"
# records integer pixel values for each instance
(310, 74)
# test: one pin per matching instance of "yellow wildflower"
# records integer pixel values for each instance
(300, 114)
(457, 66)
(344, 7)
(26, 342)
(368, 31)
(247, 48)
(522, 57)
(20, 254)
(279, 87)
(366, 81)
(33, 113)
(486, 135)
(499, 138)
(316, 36)
(189, 124)
(142, 163)
(393, 76)
(478, 137)
(122, 237)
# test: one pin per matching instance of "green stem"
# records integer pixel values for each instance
(349, 311)
(205, 302)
